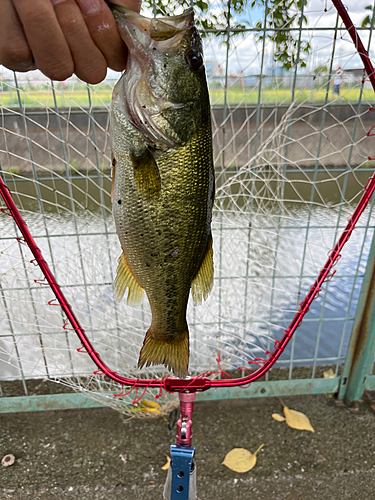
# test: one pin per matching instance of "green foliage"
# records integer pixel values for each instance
(281, 15)
(207, 19)
(366, 21)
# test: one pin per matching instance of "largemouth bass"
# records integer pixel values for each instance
(163, 178)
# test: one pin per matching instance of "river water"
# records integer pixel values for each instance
(267, 253)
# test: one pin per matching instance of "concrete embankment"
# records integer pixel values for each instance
(299, 137)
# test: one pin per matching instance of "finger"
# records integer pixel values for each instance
(102, 27)
(90, 64)
(15, 53)
(134, 5)
(45, 38)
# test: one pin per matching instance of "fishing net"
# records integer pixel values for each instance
(291, 162)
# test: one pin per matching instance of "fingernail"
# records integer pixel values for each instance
(90, 6)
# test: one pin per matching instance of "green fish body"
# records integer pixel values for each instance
(163, 178)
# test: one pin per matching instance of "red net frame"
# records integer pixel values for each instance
(202, 382)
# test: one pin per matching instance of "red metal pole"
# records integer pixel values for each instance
(343, 13)
(203, 383)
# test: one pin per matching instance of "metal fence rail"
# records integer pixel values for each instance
(290, 160)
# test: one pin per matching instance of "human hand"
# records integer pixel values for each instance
(62, 37)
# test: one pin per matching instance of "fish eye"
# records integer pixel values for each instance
(194, 60)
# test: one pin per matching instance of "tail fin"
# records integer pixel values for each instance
(173, 354)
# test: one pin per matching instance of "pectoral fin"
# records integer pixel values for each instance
(146, 174)
(204, 279)
(125, 279)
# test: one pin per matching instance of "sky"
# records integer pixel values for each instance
(245, 54)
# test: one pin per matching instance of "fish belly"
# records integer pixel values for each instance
(164, 237)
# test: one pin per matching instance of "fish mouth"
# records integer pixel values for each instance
(141, 33)
(142, 97)
(160, 28)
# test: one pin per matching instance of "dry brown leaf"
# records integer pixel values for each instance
(240, 460)
(329, 373)
(297, 420)
(166, 466)
(278, 417)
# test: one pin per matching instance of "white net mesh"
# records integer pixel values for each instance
(290, 165)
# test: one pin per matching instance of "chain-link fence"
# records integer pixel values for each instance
(291, 160)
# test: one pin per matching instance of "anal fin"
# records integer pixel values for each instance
(203, 281)
(125, 279)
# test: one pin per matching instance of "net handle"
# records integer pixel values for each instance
(199, 383)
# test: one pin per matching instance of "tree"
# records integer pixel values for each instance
(208, 19)
(281, 15)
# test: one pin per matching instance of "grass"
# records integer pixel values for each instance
(284, 96)
(102, 97)
(44, 98)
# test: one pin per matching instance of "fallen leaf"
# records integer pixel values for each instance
(166, 466)
(297, 420)
(278, 417)
(150, 404)
(240, 460)
(148, 407)
(329, 373)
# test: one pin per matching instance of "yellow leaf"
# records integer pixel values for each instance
(166, 466)
(297, 420)
(240, 460)
(277, 417)
(329, 373)
(149, 406)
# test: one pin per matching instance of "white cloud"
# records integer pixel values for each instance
(245, 54)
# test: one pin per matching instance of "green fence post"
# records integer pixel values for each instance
(361, 350)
